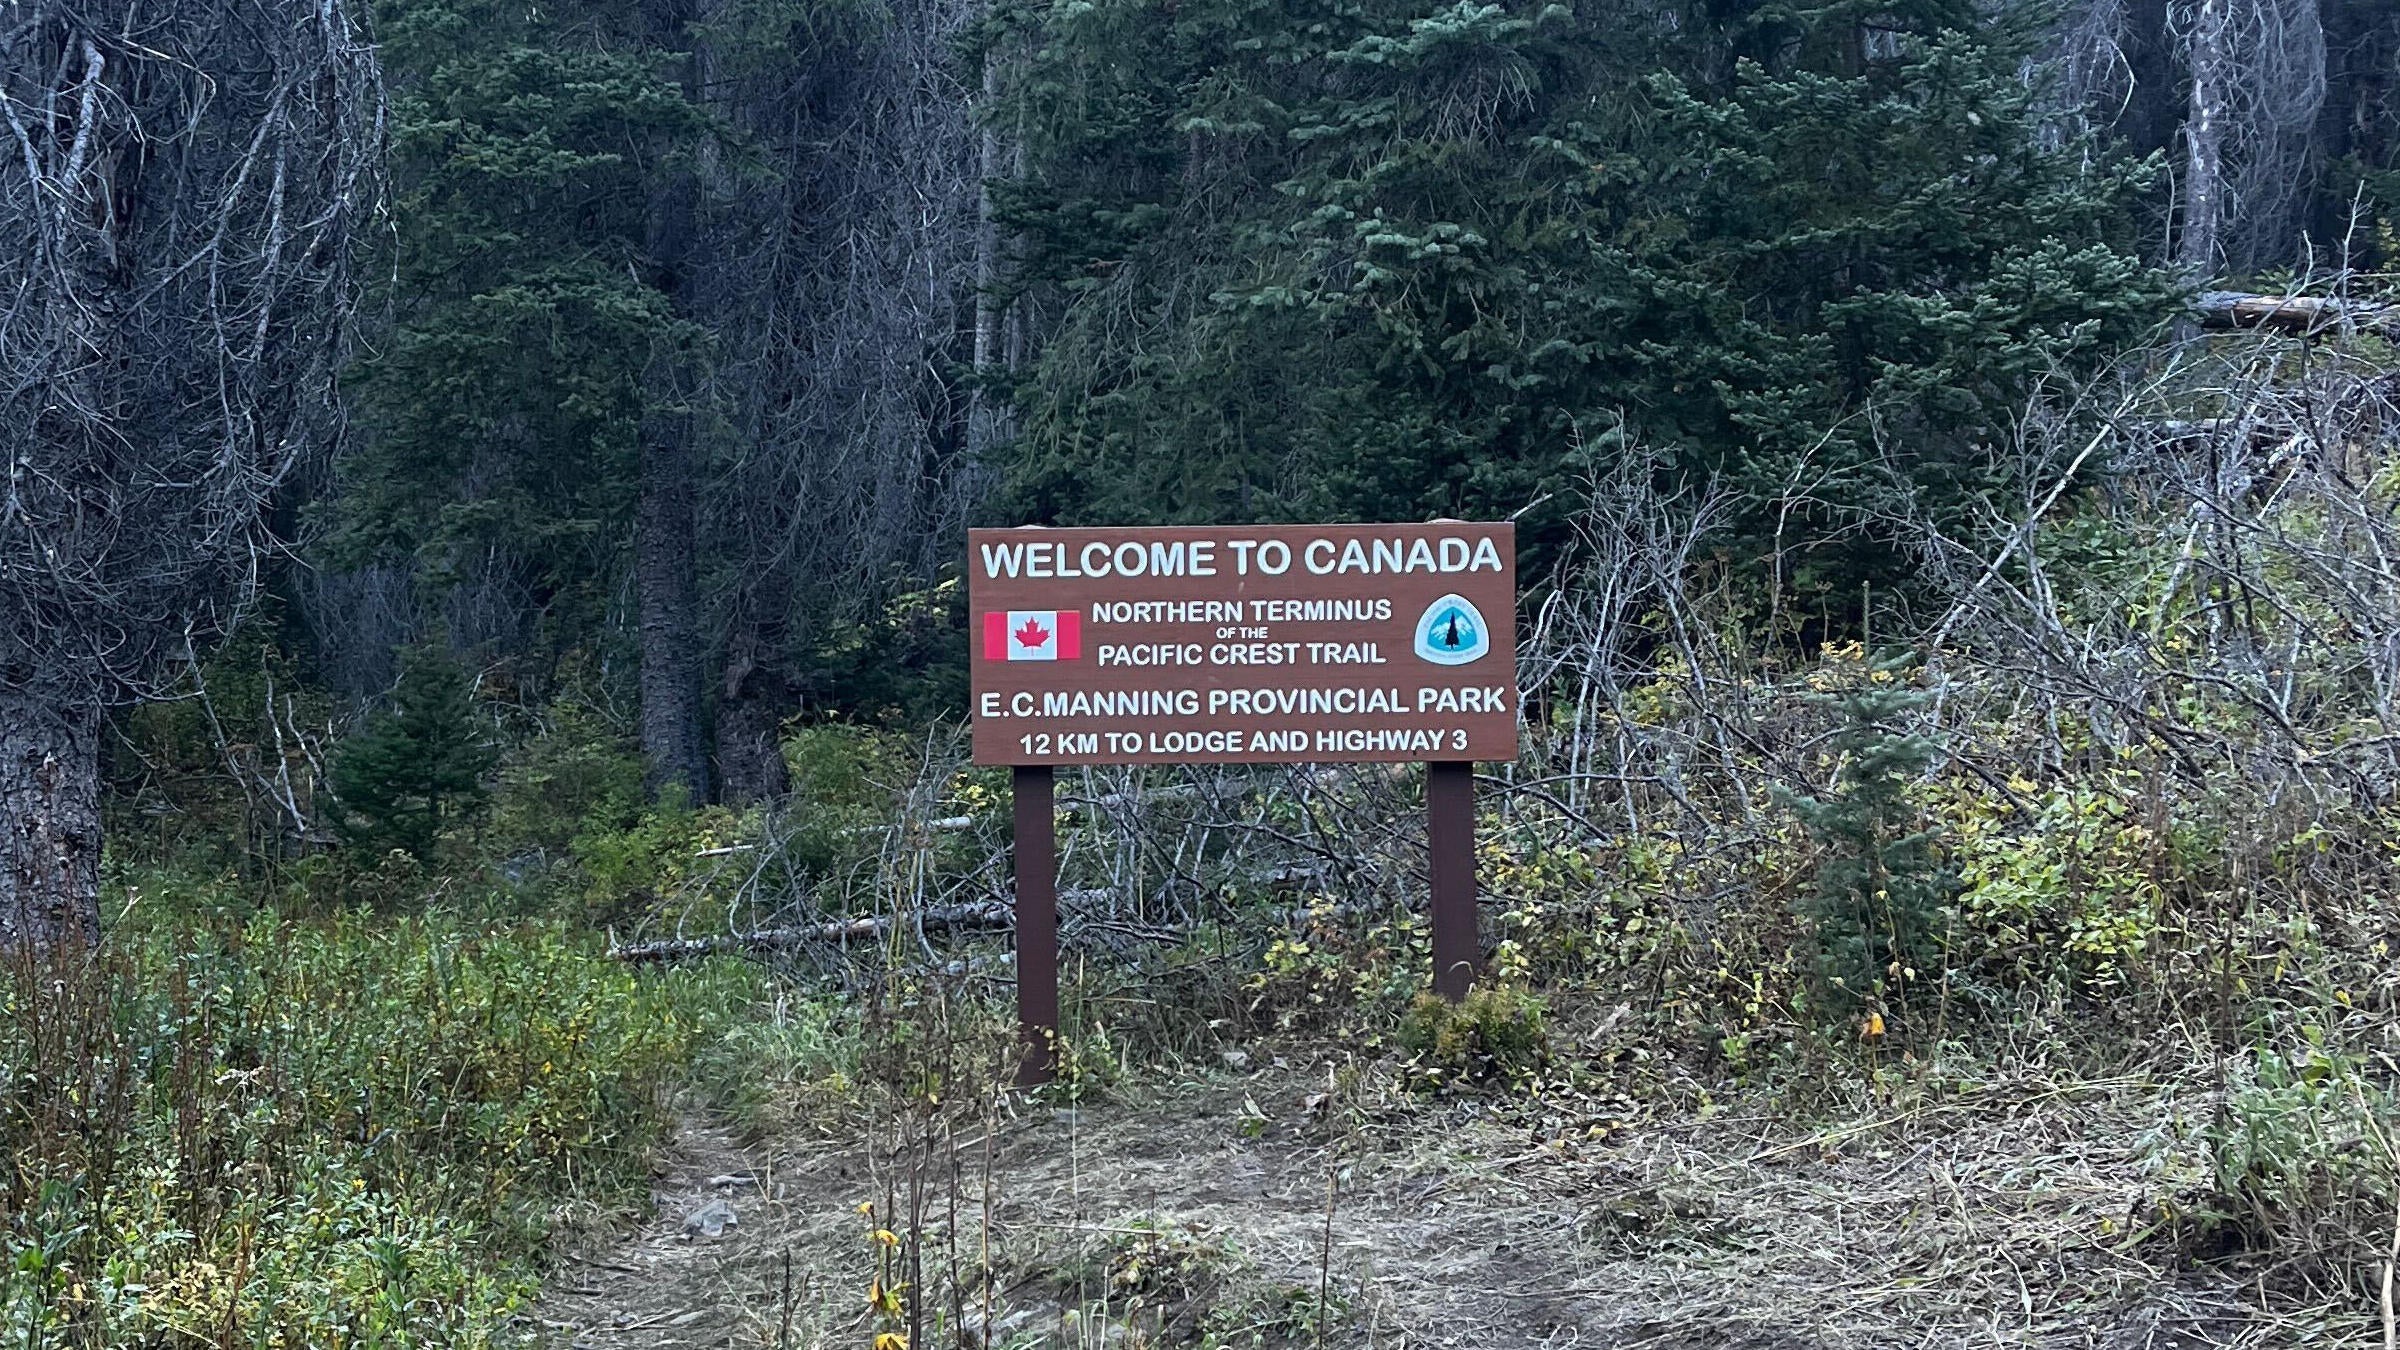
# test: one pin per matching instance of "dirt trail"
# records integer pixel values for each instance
(662, 1286)
(1206, 1213)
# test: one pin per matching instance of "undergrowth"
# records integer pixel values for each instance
(346, 1130)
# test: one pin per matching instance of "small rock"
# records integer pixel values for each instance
(1004, 1327)
(1237, 1060)
(711, 1220)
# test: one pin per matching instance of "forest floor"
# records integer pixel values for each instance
(1256, 1203)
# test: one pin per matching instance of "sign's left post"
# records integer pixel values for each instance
(1037, 923)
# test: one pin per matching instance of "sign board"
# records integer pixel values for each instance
(1244, 644)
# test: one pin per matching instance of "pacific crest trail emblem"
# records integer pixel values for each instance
(1452, 632)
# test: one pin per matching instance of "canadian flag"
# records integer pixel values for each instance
(1032, 635)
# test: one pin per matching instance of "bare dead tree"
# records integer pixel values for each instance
(2259, 641)
(180, 186)
(851, 299)
(2092, 76)
(2204, 185)
(2256, 80)
(2233, 87)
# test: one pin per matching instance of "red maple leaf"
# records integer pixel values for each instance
(1032, 634)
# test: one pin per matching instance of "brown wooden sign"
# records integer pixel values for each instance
(1244, 644)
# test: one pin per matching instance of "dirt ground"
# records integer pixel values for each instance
(1257, 1207)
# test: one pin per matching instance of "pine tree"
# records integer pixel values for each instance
(1881, 882)
(1403, 259)
(417, 767)
(503, 411)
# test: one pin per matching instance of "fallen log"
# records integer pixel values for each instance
(988, 914)
(2299, 315)
(1079, 927)
(985, 914)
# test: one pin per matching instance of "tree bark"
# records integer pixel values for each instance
(2204, 141)
(2299, 315)
(667, 577)
(666, 554)
(666, 581)
(49, 824)
(982, 408)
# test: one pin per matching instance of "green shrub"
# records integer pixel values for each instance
(1333, 978)
(1881, 887)
(846, 785)
(2069, 896)
(663, 865)
(796, 1064)
(2298, 1161)
(1494, 1035)
(574, 777)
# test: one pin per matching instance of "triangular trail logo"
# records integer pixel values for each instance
(1452, 632)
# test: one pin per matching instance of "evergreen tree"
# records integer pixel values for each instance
(503, 409)
(1407, 258)
(1881, 882)
(417, 767)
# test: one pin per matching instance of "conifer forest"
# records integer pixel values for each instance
(493, 849)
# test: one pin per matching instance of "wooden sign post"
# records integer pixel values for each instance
(1270, 644)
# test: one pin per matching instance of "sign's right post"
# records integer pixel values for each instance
(1450, 842)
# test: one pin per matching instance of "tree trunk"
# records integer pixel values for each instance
(2299, 315)
(2204, 141)
(997, 347)
(982, 408)
(666, 566)
(665, 563)
(666, 575)
(49, 824)
(2154, 97)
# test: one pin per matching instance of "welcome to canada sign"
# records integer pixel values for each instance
(1244, 644)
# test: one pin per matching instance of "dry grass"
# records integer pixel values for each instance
(2021, 1211)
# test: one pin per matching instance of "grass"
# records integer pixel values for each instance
(345, 1130)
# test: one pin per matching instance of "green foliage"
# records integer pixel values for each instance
(1881, 888)
(353, 1131)
(664, 865)
(1493, 1035)
(501, 412)
(1400, 259)
(2298, 1152)
(2073, 893)
(902, 664)
(793, 1066)
(846, 782)
(219, 774)
(577, 775)
(416, 769)
(1331, 977)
